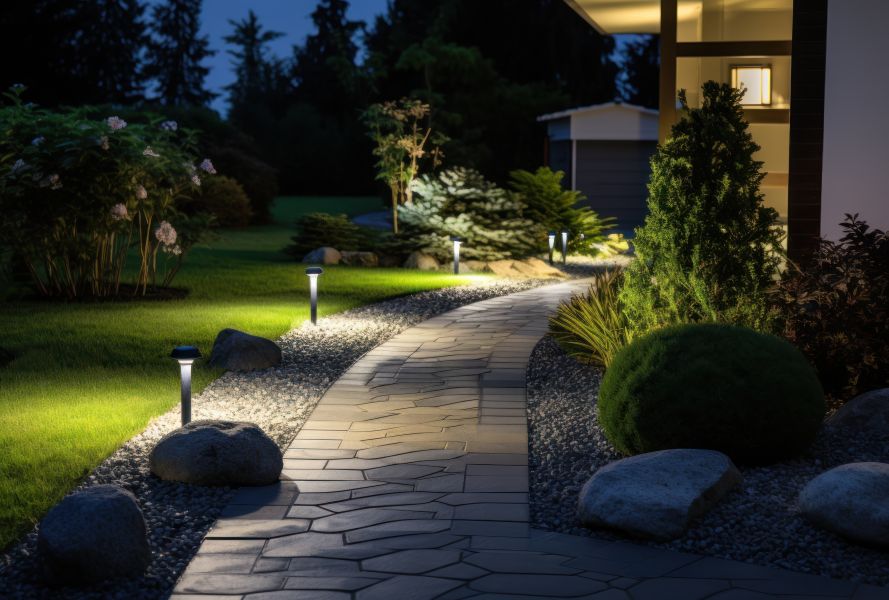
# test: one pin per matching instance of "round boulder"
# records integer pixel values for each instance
(656, 495)
(867, 413)
(94, 534)
(423, 262)
(850, 500)
(235, 350)
(217, 453)
(323, 256)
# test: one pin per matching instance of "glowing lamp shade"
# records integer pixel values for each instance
(564, 246)
(457, 241)
(551, 237)
(313, 273)
(756, 81)
(185, 356)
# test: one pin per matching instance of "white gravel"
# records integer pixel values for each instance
(278, 400)
(758, 524)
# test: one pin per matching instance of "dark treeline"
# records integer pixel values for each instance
(487, 68)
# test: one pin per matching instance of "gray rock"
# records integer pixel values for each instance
(867, 413)
(217, 453)
(95, 534)
(360, 259)
(850, 500)
(423, 262)
(323, 256)
(657, 494)
(235, 350)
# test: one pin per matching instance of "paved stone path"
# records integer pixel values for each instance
(410, 481)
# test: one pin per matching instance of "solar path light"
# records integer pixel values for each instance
(457, 241)
(552, 244)
(185, 356)
(564, 246)
(313, 273)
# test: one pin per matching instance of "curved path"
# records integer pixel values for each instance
(410, 481)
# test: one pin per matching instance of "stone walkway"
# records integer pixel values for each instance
(410, 481)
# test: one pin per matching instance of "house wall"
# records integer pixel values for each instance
(855, 176)
(560, 159)
(616, 123)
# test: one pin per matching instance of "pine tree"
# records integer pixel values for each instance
(176, 53)
(709, 250)
(253, 69)
(641, 65)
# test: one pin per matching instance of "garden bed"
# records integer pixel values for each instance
(758, 523)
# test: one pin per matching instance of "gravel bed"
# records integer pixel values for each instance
(759, 523)
(278, 400)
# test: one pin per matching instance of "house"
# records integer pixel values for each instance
(815, 72)
(604, 150)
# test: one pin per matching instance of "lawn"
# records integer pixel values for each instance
(88, 376)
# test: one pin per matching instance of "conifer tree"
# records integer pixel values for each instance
(254, 70)
(641, 66)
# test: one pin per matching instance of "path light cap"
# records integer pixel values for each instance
(185, 353)
(314, 271)
(565, 231)
(455, 238)
(552, 234)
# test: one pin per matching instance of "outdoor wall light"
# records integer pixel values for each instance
(564, 246)
(552, 244)
(313, 273)
(185, 356)
(756, 81)
(457, 241)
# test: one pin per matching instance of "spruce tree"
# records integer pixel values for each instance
(253, 69)
(708, 250)
(176, 53)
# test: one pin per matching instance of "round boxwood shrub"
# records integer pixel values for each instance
(750, 395)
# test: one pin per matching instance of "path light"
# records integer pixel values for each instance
(552, 244)
(185, 356)
(457, 241)
(313, 273)
(564, 246)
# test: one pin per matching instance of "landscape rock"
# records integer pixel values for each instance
(235, 350)
(534, 267)
(323, 256)
(477, 266)
(866, 413)
(217, 453)
(360, 259)
(504, 268)
(850, 500)
(657, 494)
(423, 262)
(94, 534)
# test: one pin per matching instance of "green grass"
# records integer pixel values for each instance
(88, 376)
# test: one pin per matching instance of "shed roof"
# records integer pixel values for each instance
(597, 107)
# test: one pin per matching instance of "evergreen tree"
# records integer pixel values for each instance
(176, 53)
(255, 73)
(709, 250)
(641, 64)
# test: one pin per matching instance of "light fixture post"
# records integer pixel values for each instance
(457, 241)
(564, 246)
(185, 356)
(552, 244)
(313, 273)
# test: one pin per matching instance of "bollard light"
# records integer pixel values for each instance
(564, 246)
(185, 356)
(457, 241)
(552, 244)
(313, 273)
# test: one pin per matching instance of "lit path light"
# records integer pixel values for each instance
(313, 273)
(457, 241)
(564, 246)
(552, 244)
(185, 356)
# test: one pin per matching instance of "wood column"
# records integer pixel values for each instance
(667, 89)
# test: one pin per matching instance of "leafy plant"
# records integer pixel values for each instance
(751, 395)
(315, 230)
(709, 250)
(224, 199)
(591, 327)
(836, 310)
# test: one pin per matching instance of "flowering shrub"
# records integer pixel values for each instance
(77, 194)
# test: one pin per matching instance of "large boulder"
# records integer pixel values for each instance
(94, 534)
(503, 268)
(423, 262)
(538, 269)
(323, 256)
(851, 500)
(235, 350)
(867, 413)
(359, 259)
(656, 495)
(217, 453)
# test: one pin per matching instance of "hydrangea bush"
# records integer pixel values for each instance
(78, 194)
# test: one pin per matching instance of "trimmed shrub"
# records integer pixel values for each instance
(750, 395)
(315, 230)
(259, 180)
(224, 199)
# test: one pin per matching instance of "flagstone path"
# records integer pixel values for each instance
(411, 481)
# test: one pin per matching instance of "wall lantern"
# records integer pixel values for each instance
(313, 273)
(756, 81)
(185, 356)
(552, 244)
(564, 246)
(457, 241)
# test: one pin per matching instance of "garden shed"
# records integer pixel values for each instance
(604, 150)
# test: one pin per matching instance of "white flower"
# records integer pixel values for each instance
(207, 166)
(141, 193)
(149, 152)
(103, 142)
(175, 250)
(119, 212)
(18, 165)
(165, 234)
(196, 180)
(38, 140)
(115, 123)
(169, 126)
